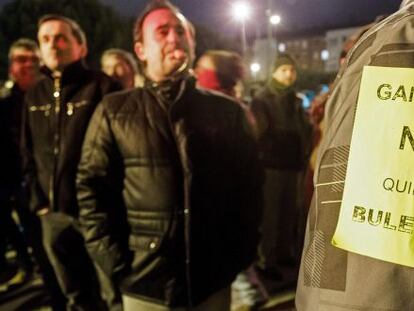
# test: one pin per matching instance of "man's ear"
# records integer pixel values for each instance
(139, 51)
(84, 50)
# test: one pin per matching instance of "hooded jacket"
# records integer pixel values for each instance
(331, 278)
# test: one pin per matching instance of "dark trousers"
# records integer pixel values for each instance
(73, 267)
(34, 231)
(279, 246)
(10, 232)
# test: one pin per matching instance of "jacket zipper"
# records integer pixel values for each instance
(56, 139)
(187, 182)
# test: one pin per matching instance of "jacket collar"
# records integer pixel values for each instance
(168, 92)
(405, 3)
(277, 88)
(71, 73)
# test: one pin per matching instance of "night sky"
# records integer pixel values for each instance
(296, 14)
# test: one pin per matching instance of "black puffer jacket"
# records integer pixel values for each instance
(188, 174)
(57, 112)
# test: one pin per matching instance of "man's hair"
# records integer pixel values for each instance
(24, 43)
(229, 67)
(77, 31)
(157, 5)
(127, 57)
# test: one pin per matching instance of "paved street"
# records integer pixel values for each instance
(31, 295)
(24, 294)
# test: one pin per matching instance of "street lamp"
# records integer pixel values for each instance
(254, 68)
(274, 19)
(241, 12)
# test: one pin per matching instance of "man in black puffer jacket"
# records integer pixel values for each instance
(57, 112)
(178, 168)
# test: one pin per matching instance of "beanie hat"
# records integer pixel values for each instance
(283, 59)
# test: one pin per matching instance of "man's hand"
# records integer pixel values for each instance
(42, 211)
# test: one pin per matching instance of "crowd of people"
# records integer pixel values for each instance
(154, 185)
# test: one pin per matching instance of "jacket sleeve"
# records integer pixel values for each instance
(36, 196)
(99, 187)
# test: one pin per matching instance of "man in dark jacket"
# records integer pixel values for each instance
(57, 112)
(23, 71)
(282, 132)
(177, 169)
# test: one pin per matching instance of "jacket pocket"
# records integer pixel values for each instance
(41, 108)
(145, 243)
(72, 106)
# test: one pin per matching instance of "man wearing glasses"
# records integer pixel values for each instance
(23, 72)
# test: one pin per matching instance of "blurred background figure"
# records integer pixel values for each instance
(224, 71)
(121, 66)
(283, 133)
(24, 62)
(23, 73)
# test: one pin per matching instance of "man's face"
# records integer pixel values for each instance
(23, 67)
(285, 75)
(167, 45)
(58, 45)
(119, 70)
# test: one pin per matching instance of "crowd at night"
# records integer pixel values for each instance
(158, 171)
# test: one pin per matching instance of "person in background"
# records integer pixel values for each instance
(56, 115)
(283, 135)
(121, 66)
(224, 71)
(169, 182)
(24, 61)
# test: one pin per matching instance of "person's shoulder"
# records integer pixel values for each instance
(216, 100)
(43, 84)
(262, 97)
(124, 101)
(263, 94)
(98, 76)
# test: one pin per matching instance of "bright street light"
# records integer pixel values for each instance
(274, 19)
(255, 68)
(325, 55)
(241, 11)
